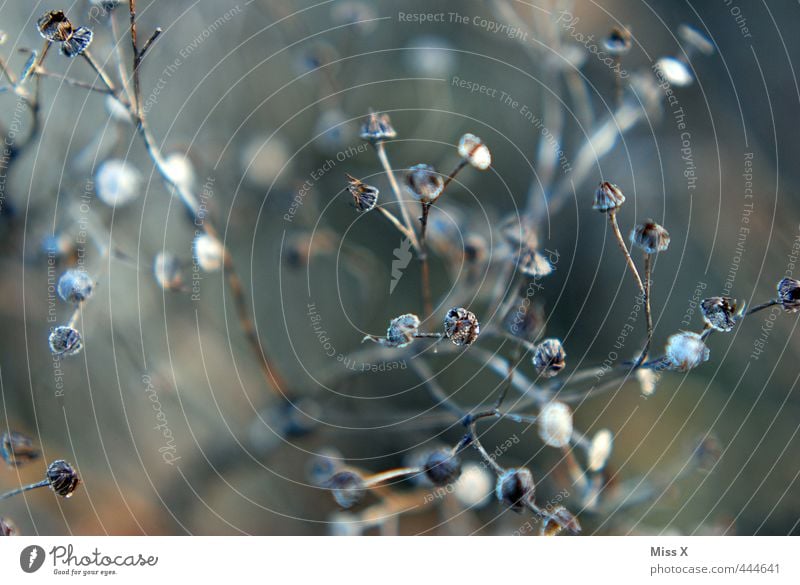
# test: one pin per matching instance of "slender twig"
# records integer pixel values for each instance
(19, 490)
(647, 310)
(380, 149)
(390, 474)
(612, 218)
(423, 257)
(461, 164)
(150, 41)
(100, 72)
(395, 222)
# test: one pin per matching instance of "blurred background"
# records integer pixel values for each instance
(165, 412)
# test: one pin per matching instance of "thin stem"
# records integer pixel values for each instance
(423, 256)
(149, 42)
(380, 149)
(475, 441)
(395, 222)
(19, 490)
(100, 72)
(390, 474)
(136, 60)
(647, 311)
(118, 53)
(461, 164)
(74, 82)
(761, 307)
(612, 218)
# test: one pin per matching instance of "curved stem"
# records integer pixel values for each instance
(19, 490)
(423, 256)
(612, 218)
(380, 149)
(647, 311)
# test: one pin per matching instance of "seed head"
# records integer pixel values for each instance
(549, 358)
(685, 350)
(721, 312)
(364, 196)
(424, 183)
(63, 478)
(65, 341)
(348, 488)
(461, 326)
(607, 197)
(117, 182)
(618, 41)
(17, 449)
(555, 424)
(402, 330)
(789, 294)
(75, 286)
(442, 467)
(77, 43)
(167, 271)
(7, 527)
(600, 450)
(515, 488)
(560, 519)
(475, 152)
(475, 485)
(650, 237)
(209, 252)
(377, 128)
(648, 380)
(55, 26)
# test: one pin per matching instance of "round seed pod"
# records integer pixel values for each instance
(555, 424)
(77, 43)
(549, 358)
(365, 197)
(461, 326)
(377, 128)
(180, 170)
(65, 341)
(720, 312)
(17, 449)
(607, 197)
(650, 237)
(474, 488)
(789, 294)
(402, 330)
(442, 467)
(475, 152)
(63, 478)
(516, 488)
(424, 183)
(209, 253)
(685, 350)
(75, 286)
(618, 41)
(600, 450)
(167, 271)
(118, 182)
(348, 488)
(54, 26)
(674, 71)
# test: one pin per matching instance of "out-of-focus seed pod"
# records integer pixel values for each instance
(618, 42)
(75, 286)
(348, 488)
(117, 182)
(378, 128)
(167, 271)
(554, 424)
(209, 253)
(323, 466)
(549, 358)
(674, 71)
(424, 183)
(474, 488)
(695, 39)
(17, 449)
(475, 152)
(560, 519)
(442, 467)
(7, 527)
(685, 350)
(515, 488)
(600, 450)
(65, 341)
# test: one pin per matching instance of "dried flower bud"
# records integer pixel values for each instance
(364, 196)
(600, 450)
(618, 41)
(348, 488)
(55, 26)
(424, 183)
(695, 39)
(7, 527)
(721, 312)
(167, 271)
(461, 326)
(63, 478)
(515, 488)
(560, 519)
(674, 71)
(209, 252)
(17, 449)
(117, 182)
(685, 350)
(402, 330)
(549, 358)
(442, 467)
(789, 294)
(65, 341)
(78, 42)
(475, 485)
(475, 152)
(555, 424)
(650, 237)
(377, 128)
(607, 197)
(75, 286)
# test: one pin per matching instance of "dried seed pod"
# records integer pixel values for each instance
(377, 128)
(424, 183)
(618, 41)
(461, 326)
(648, 380)
(75, 286)
(516, 488)
(209, 253)
(549, 358)
(475, 152)
(402, 330)
(7, 527)
(650, 237)
(532, 263)
(720, 312)
(685, 350)
(560, 519)
(555, 424)
(364, 196)
(55, 26)
(442, 467)
(674, 71)
(167, 271)
(789, 294)
(17, 449)
(474, 488)
(77, 43)
(63, 478)
(118, 182)
(65, 341)
(600, 450)
(607, 197)
(348, 488)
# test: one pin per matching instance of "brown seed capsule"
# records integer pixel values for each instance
(560, 519)
(17, 449)
(364, 196)
(461, 326)
(720, 312)
(650, 237)
(789, 294)
(607, 197)
(549, 358)
(515, 488)
(475, 152)
(78, 42)
(63, 478)
(424, 183)
(55, 26)
(442, 467)
(377, 128)
(348, 488)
